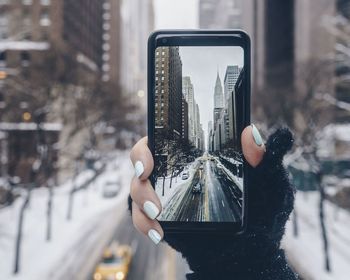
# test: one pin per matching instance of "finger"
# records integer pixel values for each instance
(252, 145)
(278, 144)
(142, 159)
(143, 194)
(148, 227)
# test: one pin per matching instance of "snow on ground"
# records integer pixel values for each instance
(237, 180)
(40, 258)
(177, 184)
(305, 252)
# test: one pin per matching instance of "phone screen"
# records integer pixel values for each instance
(199, 95)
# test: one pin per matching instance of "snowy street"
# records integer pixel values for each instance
(77, 244)
(209, 194)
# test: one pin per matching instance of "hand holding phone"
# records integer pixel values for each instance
(198, 105)
(255, 254)
(194, 176)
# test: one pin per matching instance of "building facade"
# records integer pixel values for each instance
(287, 40)
(188, 93)
(49, 42)
(231, 76)
(137, 19)
(168, 90)
(218, 99)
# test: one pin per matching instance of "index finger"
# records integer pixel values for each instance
(142, 159)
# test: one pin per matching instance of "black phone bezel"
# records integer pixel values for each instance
(200, 38)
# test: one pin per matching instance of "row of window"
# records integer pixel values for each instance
(43, 21)
(157, 72)
(26, 2)
(157, 78)
(157, 53)
(24, 58)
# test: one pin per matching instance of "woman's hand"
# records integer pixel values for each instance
(146, 205)
(252, 255)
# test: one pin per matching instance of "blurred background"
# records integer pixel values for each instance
(73, 102)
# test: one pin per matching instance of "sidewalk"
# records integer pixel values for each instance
(305, 252)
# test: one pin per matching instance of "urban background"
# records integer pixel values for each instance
(73, 101)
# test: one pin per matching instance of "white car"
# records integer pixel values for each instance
(185, 175)
(110, 189)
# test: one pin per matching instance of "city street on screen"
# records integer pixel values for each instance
(199, 94)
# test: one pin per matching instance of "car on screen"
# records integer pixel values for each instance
(185, 175)
(114, 264)
(197, 188)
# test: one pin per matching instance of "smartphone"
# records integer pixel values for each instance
(198, 105)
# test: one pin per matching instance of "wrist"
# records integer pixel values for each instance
(210, 254)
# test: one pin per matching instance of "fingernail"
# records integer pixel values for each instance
(256, 135)
(139, 169)
(151, 209)
(154, 236)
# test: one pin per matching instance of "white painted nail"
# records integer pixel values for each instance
(151, 209)
(139, 169)
(154, 236)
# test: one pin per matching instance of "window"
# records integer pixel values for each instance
(3, 25)
(105, 78)
(106, 36)
(106, 16)
(106, 26)
(106, 6)
(106, 67)
(25, 59)
(105, 57)
(45, 19)
(44, 35)
(45, 2)
(2, 59)
(106, 47)
(3, 19)
(27, 2)
(27, 36)
(27, 20)
(3, 32)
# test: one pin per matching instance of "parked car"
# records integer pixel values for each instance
(110, 189)
(185, 175)
(115, 263)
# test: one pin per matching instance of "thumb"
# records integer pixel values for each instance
(252, 145)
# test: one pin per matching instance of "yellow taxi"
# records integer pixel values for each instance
(115, 263)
